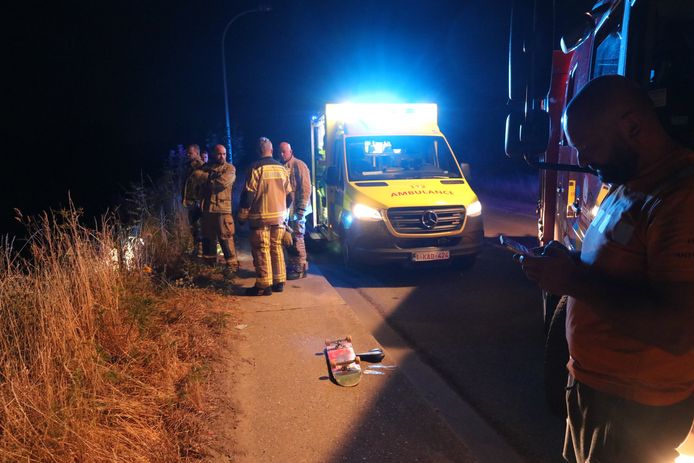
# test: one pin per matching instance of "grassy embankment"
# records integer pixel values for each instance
(102, 359)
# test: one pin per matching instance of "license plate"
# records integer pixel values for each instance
(423, 256)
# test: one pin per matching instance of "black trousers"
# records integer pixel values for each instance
(602, 428)
(194, 215)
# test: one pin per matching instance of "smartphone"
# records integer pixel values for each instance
(515, 246)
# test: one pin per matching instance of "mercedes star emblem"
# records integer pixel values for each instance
(429, 219)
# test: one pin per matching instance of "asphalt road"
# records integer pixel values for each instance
(481, 330)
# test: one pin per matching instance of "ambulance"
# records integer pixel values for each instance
(388, 187)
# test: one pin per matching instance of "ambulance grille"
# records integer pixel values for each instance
(419, 220)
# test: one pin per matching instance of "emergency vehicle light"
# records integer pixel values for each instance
(384, 117)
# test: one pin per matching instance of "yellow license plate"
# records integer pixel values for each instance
(423, 256)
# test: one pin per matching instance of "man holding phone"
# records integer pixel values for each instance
(630, 312)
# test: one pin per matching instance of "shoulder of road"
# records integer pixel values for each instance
(289, 410)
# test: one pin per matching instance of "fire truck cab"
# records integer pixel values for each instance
(389, 188)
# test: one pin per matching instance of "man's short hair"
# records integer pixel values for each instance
(194, 147)
(264, 142)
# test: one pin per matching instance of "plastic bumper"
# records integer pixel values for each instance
(372, 242)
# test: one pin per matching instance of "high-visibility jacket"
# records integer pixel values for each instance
(266, 195)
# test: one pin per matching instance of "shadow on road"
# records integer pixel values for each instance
(481, 330)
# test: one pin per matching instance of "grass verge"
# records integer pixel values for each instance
(101, 359)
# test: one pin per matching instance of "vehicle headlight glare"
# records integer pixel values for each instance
(474, 209)
(363, 212)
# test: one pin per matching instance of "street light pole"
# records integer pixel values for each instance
(260, 9)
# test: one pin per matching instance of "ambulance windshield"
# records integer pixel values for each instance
(399, 157)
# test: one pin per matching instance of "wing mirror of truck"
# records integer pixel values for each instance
(579, 30)
(332, 177)
(527, 134)
(530, 49)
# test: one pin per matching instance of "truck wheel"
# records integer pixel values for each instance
(556, 357)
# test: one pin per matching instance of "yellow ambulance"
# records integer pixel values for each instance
(388, 186)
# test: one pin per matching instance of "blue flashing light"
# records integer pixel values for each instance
(347, 220)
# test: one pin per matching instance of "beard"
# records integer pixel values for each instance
(621, 168)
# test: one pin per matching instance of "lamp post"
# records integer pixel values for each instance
(260, 9)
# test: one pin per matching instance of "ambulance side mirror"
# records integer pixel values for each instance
(332, 177)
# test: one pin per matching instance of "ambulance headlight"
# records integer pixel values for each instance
(363, 212)
(474, 209)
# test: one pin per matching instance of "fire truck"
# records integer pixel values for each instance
(388, 187)
(555, 48)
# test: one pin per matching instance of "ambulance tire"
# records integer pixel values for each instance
(464, 263)
(556, 357)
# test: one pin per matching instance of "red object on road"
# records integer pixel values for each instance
(342, 362)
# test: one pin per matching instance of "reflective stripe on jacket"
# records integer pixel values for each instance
(266, 194)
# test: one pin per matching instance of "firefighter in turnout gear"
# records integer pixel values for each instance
(300, 179)
(217, 221)
(194, 177)
(264, 204)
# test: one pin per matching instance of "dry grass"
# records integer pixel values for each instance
(101, 361)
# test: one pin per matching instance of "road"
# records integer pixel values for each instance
(480, 330)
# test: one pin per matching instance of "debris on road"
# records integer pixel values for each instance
(372, 356)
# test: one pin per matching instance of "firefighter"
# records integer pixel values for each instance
(217, 221)
(264, 203)
(191, 195)
(630, 310)
(300, 179)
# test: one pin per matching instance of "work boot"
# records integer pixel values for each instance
(229, 271)
(255, 291)
(296, 275)
(197, 250)
(233, 265)
(278, 287)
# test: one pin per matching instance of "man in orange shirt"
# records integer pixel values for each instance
(630, 313)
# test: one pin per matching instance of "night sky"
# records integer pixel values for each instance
(97, 93)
